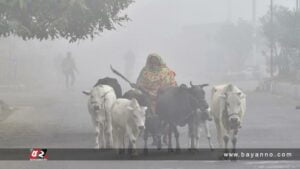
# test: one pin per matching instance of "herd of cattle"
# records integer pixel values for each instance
(120, 119)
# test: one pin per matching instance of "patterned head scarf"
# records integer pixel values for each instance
(154, 63)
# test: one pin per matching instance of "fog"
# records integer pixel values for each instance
(204, 41)
(182, 32)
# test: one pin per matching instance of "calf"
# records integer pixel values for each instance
(128, 120)
(99, 105)
(152, 121)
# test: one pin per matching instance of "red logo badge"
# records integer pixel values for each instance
(38, 154)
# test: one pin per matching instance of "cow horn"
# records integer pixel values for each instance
(204, 85)
(191, 83)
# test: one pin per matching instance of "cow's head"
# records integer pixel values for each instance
(95, 98)
(142, 98)
(198, 92)
(233, 108)
(138, 113)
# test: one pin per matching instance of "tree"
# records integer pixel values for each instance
(285, 33)
(69, 19)
(236, 41)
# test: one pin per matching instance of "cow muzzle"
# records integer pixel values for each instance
(96, 107)
(205, 115)
(235, 122)
(141, 128)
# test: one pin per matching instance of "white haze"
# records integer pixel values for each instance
(160, 26)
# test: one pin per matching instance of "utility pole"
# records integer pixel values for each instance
(272, 39)
(254, 32)
(297, 5)
(254, 12)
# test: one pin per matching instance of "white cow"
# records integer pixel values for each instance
(228, 108)
(128, 120)
(100, 102)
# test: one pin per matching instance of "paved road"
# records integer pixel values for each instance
(59, 119)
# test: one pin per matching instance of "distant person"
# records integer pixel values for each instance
(69, 68)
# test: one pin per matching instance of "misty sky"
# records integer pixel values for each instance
(155, 26)
(156, 23)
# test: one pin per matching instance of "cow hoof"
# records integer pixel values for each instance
(170, 150)
(178, 150)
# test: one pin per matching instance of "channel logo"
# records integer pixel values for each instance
(38, 154)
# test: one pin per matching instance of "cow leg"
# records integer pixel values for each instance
(226, 139)
(100, 136)
(170, 139)
(115, 138)
(132, 136)
(234, 140)
(219, 133)
(176, 138)
(133, 147)
(208, 135)
(165, 133)
(121, 143)
(197, 136)
(192, 136)
(108, 136)
(130, 147)
(146, 132)
(158, 137)
(154, 142)
(97, 135)
(118, 140)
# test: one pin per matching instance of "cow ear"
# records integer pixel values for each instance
(86, 93)
(241, 95)
(145, 108)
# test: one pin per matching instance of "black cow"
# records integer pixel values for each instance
(178, 106)
(111, 82)
(152, 123)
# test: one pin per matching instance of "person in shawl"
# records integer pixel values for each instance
(155, 75)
